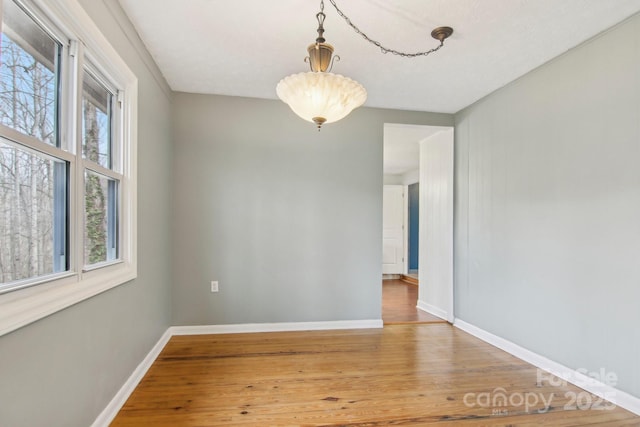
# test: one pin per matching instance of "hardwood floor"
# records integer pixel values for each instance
(409, 375)
(399, 300)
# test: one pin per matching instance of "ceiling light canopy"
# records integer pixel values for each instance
(320, 96)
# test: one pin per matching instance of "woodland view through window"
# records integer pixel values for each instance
(62, 154)
(101, 189)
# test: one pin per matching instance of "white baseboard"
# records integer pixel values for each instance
(579, 379)
(432, 309)
(275, 327)
(112, 409)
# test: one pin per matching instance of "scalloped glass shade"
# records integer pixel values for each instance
(321, 95)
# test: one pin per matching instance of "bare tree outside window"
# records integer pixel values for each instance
(32, 184)
(29, 78)
(100, 239)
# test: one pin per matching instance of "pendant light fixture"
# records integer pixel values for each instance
(319, 96)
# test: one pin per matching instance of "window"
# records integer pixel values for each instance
(67, 161)
(32, 183)
(101, 179)
(30, 76)
(33, 221)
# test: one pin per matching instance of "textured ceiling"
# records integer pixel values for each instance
(244, 47)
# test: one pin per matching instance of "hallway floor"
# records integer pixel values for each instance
(399, 301)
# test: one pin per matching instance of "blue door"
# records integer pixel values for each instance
(414, 226)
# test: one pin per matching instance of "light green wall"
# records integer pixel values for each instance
(548, 208)
(63, 370)
(287, 218)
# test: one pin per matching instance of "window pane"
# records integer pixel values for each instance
(28, 76)
(96, 121)
(100, 219)
(33, 214)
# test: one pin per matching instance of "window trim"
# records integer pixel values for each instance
(21, 307)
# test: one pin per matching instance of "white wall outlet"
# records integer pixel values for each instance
(214, 286)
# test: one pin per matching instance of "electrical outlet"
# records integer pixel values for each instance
(214, 286)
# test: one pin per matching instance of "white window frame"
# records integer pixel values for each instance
(49, 294)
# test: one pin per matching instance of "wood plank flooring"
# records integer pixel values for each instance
(399, 300)
(401, 375)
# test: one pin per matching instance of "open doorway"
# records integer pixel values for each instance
(418, 205)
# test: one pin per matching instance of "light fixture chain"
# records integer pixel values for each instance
(376, 43)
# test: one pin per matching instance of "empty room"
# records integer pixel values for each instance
(319, 213)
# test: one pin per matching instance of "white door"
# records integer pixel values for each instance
(392, 229)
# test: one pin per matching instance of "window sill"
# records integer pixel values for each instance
(25, 306)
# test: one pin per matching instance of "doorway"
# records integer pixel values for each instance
(419, 160)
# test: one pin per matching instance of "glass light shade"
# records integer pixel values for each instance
(321, 97)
